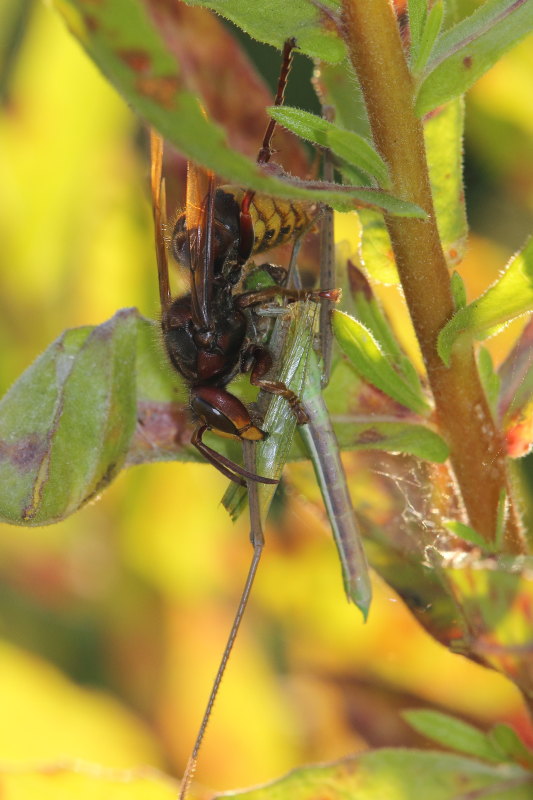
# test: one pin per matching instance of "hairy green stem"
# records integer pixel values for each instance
(464, 417)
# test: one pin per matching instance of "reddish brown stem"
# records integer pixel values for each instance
(465, 420)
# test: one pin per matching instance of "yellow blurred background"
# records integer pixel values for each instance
(112, 622)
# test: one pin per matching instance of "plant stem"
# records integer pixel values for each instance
(463, 414)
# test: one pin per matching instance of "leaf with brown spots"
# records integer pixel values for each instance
(217, 69)
(443, 137)
(175, 87)
(392, 774)
(466, 51)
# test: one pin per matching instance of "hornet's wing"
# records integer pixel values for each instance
(159, 212)
(199, 224)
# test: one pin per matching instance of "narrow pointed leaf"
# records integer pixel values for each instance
(453, 733)
(511, 746)
(489, 377)
(418, 10)
(392, 437)
(458, 288)
(443, 137)
(468, 50)
(376, 251)
(509, 297)
(502, 515)
(337, 86)
(467, 533)
(372, 364)
(346, 144)
(369, 312)
(430, 32)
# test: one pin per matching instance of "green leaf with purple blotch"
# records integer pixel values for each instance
(66, 424)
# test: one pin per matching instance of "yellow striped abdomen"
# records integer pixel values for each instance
(275, 220)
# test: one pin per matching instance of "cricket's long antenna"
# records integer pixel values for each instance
(257, 539)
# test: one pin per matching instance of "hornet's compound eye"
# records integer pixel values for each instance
(182, 242)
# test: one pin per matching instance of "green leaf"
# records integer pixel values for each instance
(66, 424)
(279, 20)
(348, 145)
(453, 733)
(392, 437)
(121, 39)
(418, 10)
(468, 50)
(376, 249)
(443, 133)
(502, 513)
(368, 311)
(509, 297)
(370, 314)
(372, 364)
(430, 32)
(510, 745)
(352, 175)
(443, 137)
(337, 86)
(157, 381)
(467, 533)
(458, 288)
(489, 377)
(391, 774)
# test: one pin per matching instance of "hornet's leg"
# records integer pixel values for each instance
(262, 295)
(258, 361)
(246, 224)
(228, 468)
